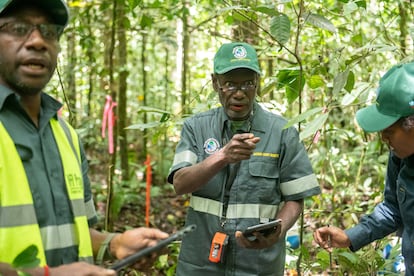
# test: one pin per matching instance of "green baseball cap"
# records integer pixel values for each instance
(395, 99)
(57, 9)
(235, 55)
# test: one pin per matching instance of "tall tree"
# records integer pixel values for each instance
(122, 68)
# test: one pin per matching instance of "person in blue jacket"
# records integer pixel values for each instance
(392, 116)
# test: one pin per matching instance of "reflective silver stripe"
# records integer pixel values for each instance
(86, 259)
(234, 211)
(185, 156)
(299, 185)
(58, 236)
(90, 209)
(78, 206)
(252, 211)
(206, 205)
(11, 216)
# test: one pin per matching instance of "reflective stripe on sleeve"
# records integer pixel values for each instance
(299, 185)
(86, 259)
(78, 206)
(234, 211)
(185, 156)
(90, 209)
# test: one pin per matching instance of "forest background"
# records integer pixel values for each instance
(145, 65)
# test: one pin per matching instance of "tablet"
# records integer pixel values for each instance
(264, 228)
(149, 250)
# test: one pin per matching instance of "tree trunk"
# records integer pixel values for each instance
(122, 98)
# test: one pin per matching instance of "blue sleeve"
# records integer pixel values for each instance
(385, 219)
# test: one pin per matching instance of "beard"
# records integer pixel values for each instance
(24, 89)
(25, 86)
(22, 83)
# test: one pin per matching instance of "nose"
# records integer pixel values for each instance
(239, 92)
(35, 39)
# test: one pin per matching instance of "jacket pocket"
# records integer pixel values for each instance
(264, 175)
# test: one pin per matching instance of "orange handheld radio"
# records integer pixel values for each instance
(218, 246)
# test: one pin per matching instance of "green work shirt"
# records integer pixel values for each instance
(279, 170)
(40, 156)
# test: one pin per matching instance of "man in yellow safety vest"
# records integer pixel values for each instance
(45, 194)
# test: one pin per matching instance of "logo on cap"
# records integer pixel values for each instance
(239, 52)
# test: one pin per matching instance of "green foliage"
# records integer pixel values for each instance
(293, 81)
(321, 61)
(26, 259)
(167, 263)
(280, 28)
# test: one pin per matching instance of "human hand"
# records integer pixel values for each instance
(240, 147)
(261, 240)
(132, 241)
(81, 269)
(330, 236)
(7, 270)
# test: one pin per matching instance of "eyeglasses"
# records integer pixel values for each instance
(231, 87)
(22, 29)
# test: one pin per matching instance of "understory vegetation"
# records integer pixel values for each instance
(134, 69)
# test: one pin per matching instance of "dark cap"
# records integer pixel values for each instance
(395, 99)
(57, 9)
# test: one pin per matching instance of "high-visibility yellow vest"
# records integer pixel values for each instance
(18, 223)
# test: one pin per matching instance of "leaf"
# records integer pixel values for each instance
(284, 76)
(349, 98)
(320, 22)
(350, 82)
(316, 81)
(268, 87)
(134, 3)
(165, 117)
(293, 88)
(305, 115)
(314, 126)
(266, 9)
(143, 109)
(240, 16)
(361, 3)
(323, 258)
(349, 256)
(146, 21)
(144, 126)
(339, 82)
(280, 28)
(27, 258)
(292, 81)
(349, 8)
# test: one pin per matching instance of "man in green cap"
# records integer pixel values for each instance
(242, 168)
(393, 116)
(45, 194)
